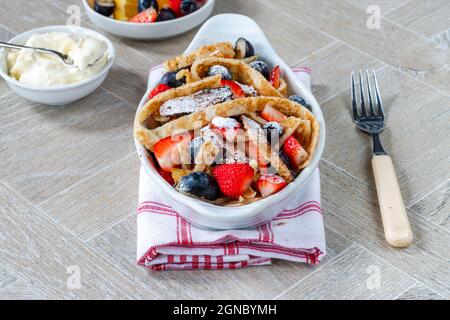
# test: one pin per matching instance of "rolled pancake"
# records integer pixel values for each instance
(220, 49)
(307, 132)
(241, 72)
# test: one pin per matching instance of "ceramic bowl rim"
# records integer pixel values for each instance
(62, 28)
(251, 209)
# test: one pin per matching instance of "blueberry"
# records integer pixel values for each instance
(262, 67)
(188, 6)
(194, 147)
(272, 125)
(104, 7)
(221, 70)
(285, 159)
(170, 78)
(273, 129)
(165, 15)
(145, 4)
(243, 49)
(199, 184)
(300, 100)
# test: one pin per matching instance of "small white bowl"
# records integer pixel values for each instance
(150, 31)
(229, 27)
(56, 95)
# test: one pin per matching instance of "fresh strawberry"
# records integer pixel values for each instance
(269, 184)
(269, 113)
(167, 176)
(158, 89)
(275, 77)
(167, 153)
(146, 16)
(233, 179)
(255, 152)
(175, 5)
(235, 88)
(295, 152)
(226, 126)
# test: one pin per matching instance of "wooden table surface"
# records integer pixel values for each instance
(69, 175)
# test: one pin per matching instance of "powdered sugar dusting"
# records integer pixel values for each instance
(208, 134)
(225, 123)
(235, 156)
(250, 124)
(248, 90)
(195, 102)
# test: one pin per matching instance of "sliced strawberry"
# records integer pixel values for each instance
(255, 152)
(233, 179)
(235, 88)
(275, 77)
(167, 176)
(158, 89)
(269, 113)
(146, 16)
(167, 153)
(269, 184)
(295, 152)
(175, 5)
(226, 126)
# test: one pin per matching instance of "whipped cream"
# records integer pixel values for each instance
(89, 56)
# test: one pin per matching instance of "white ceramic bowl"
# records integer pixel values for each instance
(205, 215)
(150, 31)
(57, 95)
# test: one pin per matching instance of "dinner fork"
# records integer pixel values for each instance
(369, 117)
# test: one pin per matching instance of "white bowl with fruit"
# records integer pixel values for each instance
(189, 194)
(148, 19)
(45, 78)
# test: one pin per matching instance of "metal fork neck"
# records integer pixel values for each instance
(42, 50)
(377, 146)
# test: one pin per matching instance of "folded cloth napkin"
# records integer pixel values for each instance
(165, 241)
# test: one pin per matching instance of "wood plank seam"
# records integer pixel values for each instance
(368, 54)
(409, 207)
(100, 231)
(42, 213)
(357, 245)
(406, 290)
(116, 96)
(360, 245)
(441, 228)
(86, 19)
(329, 262)
(48, 220)
(79, 182)
(327, 99)
(429, 193)
(394, 9)
(418, 283)
(332, 43)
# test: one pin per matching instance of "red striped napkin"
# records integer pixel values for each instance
(165, 241)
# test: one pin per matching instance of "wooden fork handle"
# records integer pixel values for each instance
(393, 213)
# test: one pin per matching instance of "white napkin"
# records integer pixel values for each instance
(165, 241)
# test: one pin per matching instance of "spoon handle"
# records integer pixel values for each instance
(43, 50)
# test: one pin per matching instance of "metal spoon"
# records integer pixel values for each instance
(64, 57)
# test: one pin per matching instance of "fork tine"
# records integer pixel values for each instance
(369, 93)
(354, 103)
(361, 89)
(378, 96)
